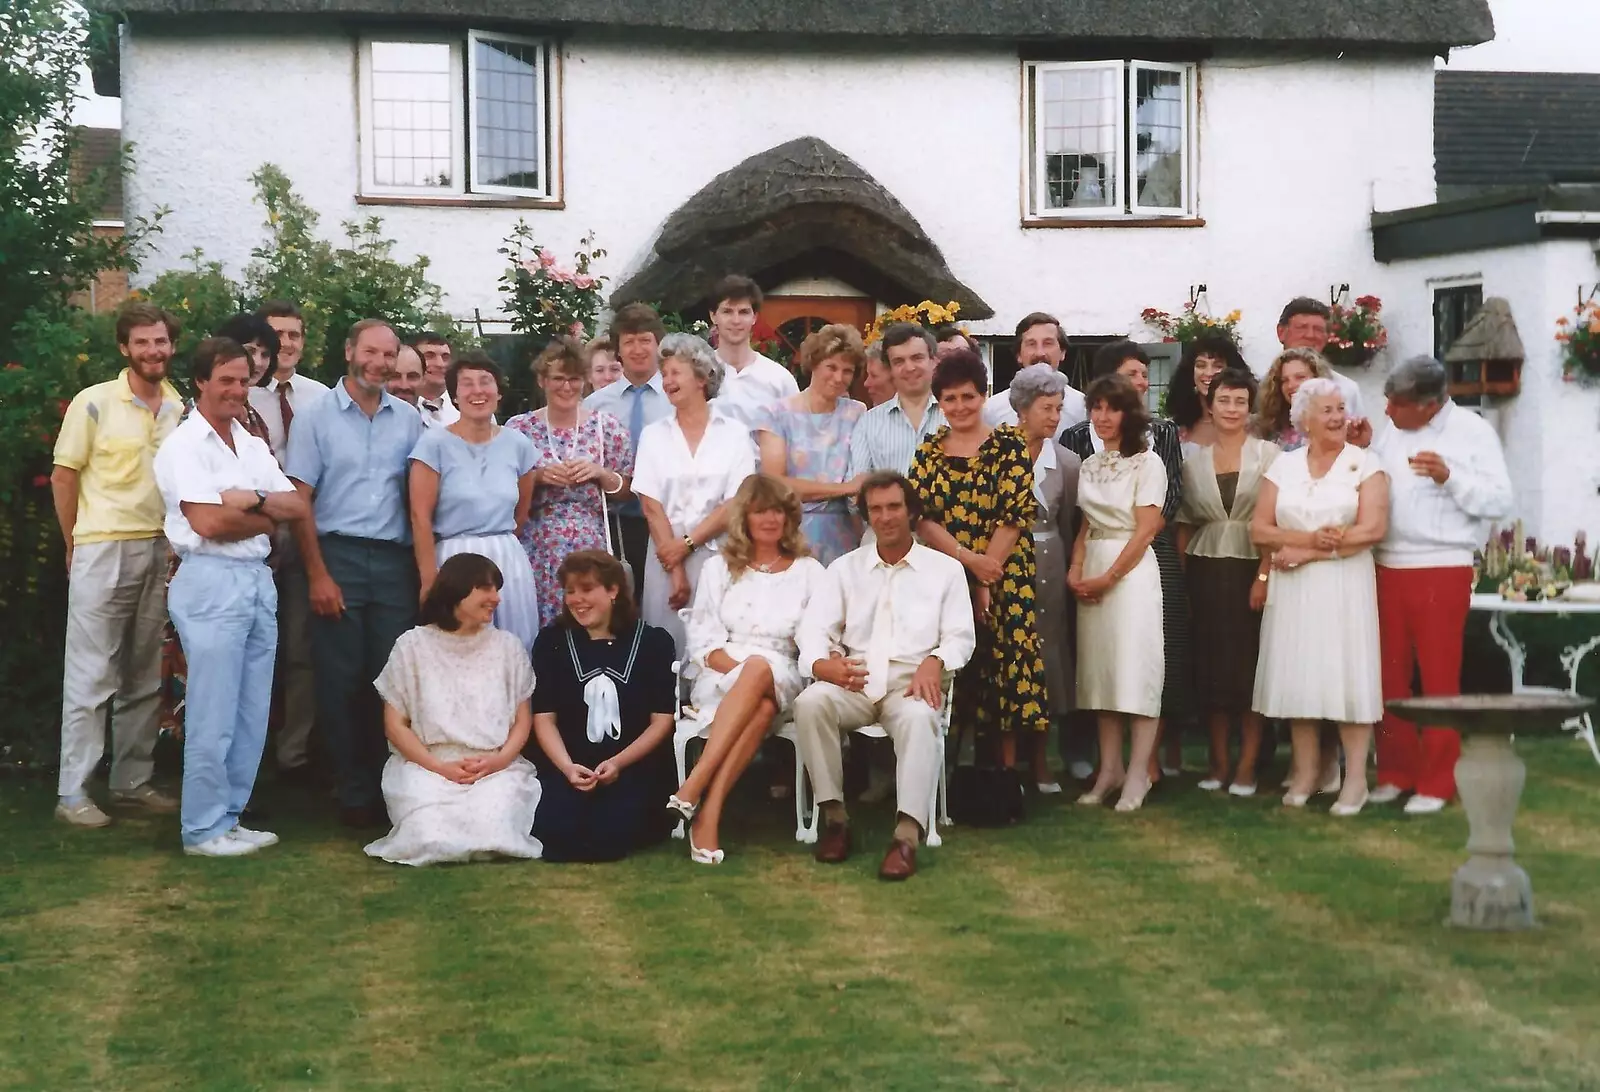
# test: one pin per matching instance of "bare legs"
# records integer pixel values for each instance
(741, 722)
(1135, 776)
(1039, 761)
(1249, 747)
(1357, 738)
(1306, 740)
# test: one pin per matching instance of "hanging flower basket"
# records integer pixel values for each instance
(1356, 334)
(1191, 323)
(1579, 335)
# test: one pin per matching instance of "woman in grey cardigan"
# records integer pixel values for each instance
(1036, 395)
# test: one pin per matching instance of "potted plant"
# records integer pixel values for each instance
(1356, 333)
(1190, 323)
(927, 313)
(1579, 336)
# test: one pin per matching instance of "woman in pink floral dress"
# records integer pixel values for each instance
(582, 461)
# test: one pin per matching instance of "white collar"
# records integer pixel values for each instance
(1047, 456)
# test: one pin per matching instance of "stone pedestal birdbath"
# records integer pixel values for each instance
(1490, 891)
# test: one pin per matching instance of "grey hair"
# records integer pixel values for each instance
(1420, 379)
(1309, 391)
(1034, 382)
(698, 355)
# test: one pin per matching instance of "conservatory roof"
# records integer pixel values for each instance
(1392, 24)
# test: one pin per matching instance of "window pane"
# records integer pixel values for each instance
(1080, 137)
(509, 84)
(411, 114)
(1159, 113)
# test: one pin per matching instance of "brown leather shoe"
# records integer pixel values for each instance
(834, 844)
(900, 863)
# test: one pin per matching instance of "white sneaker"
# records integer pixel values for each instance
(223, 845)
(1081, 770)
(1384, 794)
(1424, 805)
(258, 838)
(1209, 784)
(1237, 789)
(82, 814)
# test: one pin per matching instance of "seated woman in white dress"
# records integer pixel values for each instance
(741, 639)
(1117, 582)
(1320, 511)
(455, 708)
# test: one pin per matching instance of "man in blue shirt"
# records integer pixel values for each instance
(636, 400)
(348, 455)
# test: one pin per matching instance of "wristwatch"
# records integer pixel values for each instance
(690, 543)
(261, 501)
(1261, 578)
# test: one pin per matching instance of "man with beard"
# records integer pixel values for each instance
(225, 496)
(1040, 340)
(110, 513)
(348, 457)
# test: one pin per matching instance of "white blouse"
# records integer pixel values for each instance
(1220, 532)
(457, 692)
(757, 611)
(690, 484)
(1112, 485)
(1309, 504)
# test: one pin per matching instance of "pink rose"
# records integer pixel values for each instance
(583, 280)
(560, 275)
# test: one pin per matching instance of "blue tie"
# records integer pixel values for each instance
(636, 414)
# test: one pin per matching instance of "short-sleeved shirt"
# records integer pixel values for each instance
(618, 399)
(689, 485)
(194, 465)
(110, 438)
(747, 391)
(268, 402)
(356, 464)
(477, 482)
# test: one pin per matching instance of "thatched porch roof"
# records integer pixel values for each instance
(1490, 335)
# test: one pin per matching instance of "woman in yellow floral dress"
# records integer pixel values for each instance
(976, 488)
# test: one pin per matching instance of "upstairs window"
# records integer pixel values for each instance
(1110, 139)
(453, 117)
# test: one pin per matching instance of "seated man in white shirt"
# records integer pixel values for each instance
(1304, 325)
(750, 381)
(1447, 481)
(1040, 340)
(225, 495)
(891, 620)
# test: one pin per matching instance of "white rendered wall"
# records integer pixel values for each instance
(647, 125)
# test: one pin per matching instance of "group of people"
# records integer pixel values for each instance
(494, 624)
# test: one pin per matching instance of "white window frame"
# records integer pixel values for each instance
(463, 118)
(547, 124)
(1125, 204)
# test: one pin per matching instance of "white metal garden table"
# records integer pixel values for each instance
(1500, 611)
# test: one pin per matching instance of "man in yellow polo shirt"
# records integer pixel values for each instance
(111, 515)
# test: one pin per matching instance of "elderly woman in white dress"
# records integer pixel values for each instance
(687, 468)
(455, 708)
(741, 640)
(1320, 511)
(1036, 396)
(1117, 582)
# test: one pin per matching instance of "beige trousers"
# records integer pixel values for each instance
(823, 713)
(116, 612)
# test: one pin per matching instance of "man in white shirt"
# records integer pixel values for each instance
(1040, 340)
(225, 495)
(1304, 325)
(887, 436)
(288, 392)
(750, 381)
(433, 400)
(1447, 481)
(889, 622)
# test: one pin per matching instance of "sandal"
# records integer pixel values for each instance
(703, 856)
(684, 808)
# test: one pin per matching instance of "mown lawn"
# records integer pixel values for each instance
(1200, 944)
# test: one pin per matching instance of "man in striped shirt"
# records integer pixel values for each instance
(887, 436)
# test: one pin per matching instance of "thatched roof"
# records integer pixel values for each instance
(802, 208)
(1406, 24)
(1490, 335)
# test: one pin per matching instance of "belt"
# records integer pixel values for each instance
(1045, 535)
(1108, 535)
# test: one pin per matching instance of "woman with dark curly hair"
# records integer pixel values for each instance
(976, 489)
(1204, 358)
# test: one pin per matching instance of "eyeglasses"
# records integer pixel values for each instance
(567, 380)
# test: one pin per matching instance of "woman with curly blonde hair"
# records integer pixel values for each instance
(741, 631)
(1289, 370)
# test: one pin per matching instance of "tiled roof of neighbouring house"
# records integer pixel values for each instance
(1514, 128)
(1393, 24)
(100, 152)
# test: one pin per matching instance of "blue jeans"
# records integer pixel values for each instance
(226, 613)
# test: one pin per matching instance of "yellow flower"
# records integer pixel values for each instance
(83, 358)
(1233, 316)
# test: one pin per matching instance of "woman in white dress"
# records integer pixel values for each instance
(1117, 582)
(1321, 510)
(455, 708)
(741, 640)
(686, 470)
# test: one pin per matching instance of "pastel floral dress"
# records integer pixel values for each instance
(564, 519)
(1002, 688)
(819, 451)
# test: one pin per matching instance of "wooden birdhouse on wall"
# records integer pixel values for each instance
(1486, 360)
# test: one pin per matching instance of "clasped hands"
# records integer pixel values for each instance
(1091, 590)
(474, 768)
(850, 673)
(570, 472)
(1324, 541)
(584, 779)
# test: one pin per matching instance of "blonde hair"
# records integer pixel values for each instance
(834, 339)
(760, 493)
(1272, 409)
(564, 356)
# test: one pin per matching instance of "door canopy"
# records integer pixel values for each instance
(802, 209)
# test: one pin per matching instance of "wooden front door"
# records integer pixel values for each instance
(792, 318)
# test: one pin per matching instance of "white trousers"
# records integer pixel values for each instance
(116, 611)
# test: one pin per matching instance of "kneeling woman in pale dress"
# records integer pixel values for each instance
(741, 639)
(1117, 583)
(455, 708)
(1320, 511)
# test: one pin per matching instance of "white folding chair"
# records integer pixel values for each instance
(939, 802)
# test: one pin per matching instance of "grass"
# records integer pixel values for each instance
(1201, 944)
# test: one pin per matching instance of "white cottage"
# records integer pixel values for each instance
(1089, 157)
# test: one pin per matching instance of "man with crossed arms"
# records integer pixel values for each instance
(890, 620)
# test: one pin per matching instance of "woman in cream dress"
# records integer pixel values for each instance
(1115, 577)
(1321, 510)
(741, 642)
